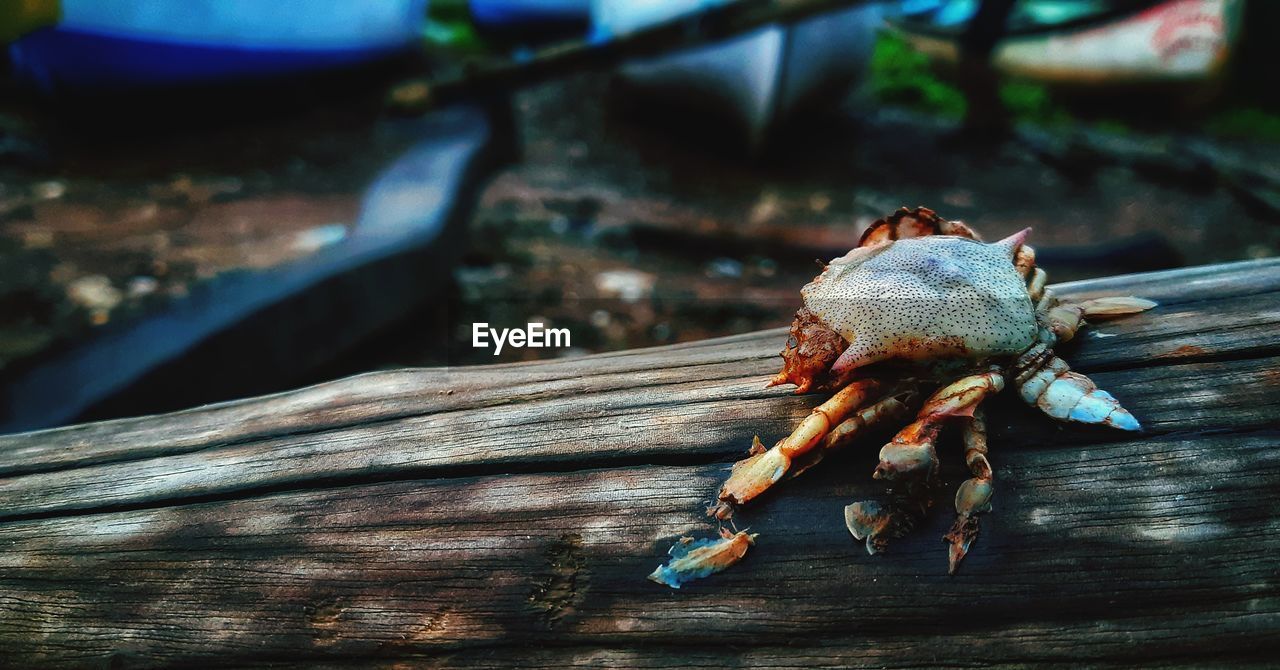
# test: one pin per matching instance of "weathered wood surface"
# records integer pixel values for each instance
(502, 516)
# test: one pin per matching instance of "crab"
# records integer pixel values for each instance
(921, 317)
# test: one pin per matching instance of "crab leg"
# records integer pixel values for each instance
(755, 474)
(911, 454)
(911, 459)
(696, 559)
(1066, 318)
(895, 407)
(974, 495)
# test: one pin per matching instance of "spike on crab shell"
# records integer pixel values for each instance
(1015, 241)
(694, 559)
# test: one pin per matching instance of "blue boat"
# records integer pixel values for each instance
(527, 15)
(757, 79)
(113, 45)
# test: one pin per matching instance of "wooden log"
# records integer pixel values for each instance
(507, 515)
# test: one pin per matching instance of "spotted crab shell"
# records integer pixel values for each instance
(924, 298)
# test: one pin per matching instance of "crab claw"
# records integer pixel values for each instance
(753, 475)
(866, 521)
(910, 455)
(902, 460)
(972, 499)
(876, 524)
(1071, 396)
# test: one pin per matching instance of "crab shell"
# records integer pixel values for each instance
(925, 298)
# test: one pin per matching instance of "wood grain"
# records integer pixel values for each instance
(506, 516)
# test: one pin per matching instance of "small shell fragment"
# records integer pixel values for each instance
(694, 559)
(868, 520)
(1115, 306)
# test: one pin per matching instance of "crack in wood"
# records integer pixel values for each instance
(557, 591)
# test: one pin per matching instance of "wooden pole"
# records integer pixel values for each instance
(690, 30)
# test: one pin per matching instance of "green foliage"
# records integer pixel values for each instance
(1030, 101)
(1251, 122)
(902, 75)
(456, 36)
(1113, 126)
(449, 27)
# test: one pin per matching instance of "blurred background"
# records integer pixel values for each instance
(208, 199)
